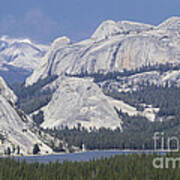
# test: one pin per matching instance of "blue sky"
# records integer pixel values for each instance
(44, 20)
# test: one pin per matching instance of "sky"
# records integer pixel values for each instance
(45, 20)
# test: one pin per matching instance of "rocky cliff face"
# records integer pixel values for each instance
(16, 129)
(113, 47)
(6, 92)
(80, 101)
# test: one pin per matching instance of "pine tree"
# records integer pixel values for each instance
(36, 149)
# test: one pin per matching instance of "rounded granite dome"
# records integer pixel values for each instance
(105, 30)
(62, 41)
(172, 23)
(110, 28)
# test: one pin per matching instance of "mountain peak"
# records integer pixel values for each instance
(61, 41)
(16, 40)
(106, 29)
(110, 28)
(172, 23)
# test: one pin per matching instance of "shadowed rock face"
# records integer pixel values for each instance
(114, 46)
(15, 126)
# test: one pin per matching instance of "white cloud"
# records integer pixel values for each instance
(34, 24)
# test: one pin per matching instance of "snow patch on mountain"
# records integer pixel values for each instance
(21, 52)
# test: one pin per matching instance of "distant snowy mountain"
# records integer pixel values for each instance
(19, 57)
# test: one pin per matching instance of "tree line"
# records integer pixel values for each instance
(100, 76)
(32, 98)
(119, 167)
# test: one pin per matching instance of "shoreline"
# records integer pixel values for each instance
(95, 150)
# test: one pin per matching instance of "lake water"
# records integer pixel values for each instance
(82, 156)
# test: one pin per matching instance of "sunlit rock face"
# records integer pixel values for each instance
(16, 129)
(80, 101)
(114, 46)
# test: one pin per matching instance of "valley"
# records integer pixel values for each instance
(113, 90)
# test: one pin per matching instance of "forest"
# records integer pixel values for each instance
(167, 99)
(137, 130)
(137, 134)
(119, 167)
(32, 98)
(101, 76)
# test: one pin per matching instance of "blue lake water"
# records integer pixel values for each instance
(82, 156)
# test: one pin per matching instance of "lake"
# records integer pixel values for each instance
(82, 156)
